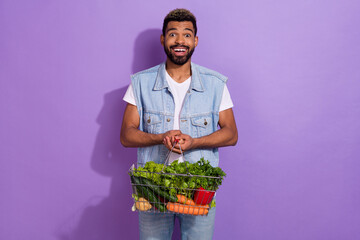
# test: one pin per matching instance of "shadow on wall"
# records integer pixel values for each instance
(148, 50)
(111, 218)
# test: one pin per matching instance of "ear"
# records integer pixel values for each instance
(196, 41)
(162, 39)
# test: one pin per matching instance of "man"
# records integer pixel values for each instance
(178, 101)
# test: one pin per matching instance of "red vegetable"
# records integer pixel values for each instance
(203, 196)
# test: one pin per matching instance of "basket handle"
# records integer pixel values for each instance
(168, 156)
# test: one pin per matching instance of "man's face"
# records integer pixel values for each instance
(179, 41)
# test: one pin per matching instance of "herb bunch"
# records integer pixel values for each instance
(196, 175)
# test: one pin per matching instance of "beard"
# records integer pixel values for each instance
(178, 60)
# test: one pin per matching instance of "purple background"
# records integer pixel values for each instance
(294, 76)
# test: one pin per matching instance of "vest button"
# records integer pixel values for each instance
(168, 120)
(148, 120)
(205, 123)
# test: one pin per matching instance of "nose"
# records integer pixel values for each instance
(180, 39)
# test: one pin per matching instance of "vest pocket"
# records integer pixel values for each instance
(152, 123)
(202, 125)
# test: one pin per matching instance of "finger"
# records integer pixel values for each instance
(175, 141)
(175, 132)
(176, 151)
(167, 143)
(178, 142)
(180, 148)
(186, 145)
(184, 137)
(165, 140)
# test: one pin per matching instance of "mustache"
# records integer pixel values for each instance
(175, 46)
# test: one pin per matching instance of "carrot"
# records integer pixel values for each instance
(181, 198)
(185, 200)
(187, 209)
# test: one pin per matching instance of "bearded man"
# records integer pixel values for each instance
(178, 102)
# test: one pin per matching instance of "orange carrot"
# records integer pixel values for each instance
(187, 209)
(181, 198)
(185, 200)
(191, 202)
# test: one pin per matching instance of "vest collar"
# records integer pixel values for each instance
(196, 83)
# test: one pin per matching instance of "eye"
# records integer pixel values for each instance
(187, 35)
(172, 35)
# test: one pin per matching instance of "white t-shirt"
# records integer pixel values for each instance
(179, 91)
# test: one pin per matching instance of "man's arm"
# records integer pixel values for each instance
(131, 136)
(226, 136)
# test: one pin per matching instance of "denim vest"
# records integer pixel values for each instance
(199, 115)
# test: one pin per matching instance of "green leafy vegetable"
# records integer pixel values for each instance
(196, 175)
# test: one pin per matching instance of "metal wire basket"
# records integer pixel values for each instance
(151, 197)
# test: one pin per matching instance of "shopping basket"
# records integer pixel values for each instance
(181, 193)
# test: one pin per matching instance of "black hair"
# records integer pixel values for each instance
(179, 15)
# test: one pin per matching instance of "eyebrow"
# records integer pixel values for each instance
(189, 29)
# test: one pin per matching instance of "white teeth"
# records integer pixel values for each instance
(179, 50)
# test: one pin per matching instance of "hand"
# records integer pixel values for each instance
(186, 142)
(169, 138)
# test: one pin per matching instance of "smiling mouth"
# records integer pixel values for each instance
(179, 50)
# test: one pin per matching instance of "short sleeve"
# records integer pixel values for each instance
(129, 96)
(226, 101)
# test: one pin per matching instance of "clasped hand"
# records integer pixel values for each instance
(176, 140)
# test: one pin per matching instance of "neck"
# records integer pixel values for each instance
(178, 72)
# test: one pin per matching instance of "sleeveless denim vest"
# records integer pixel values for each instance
(199, 115)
